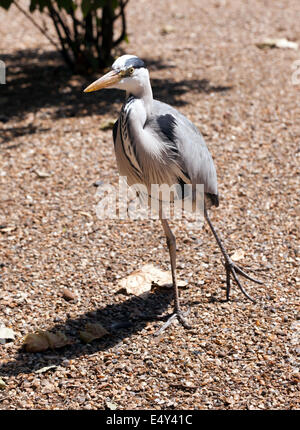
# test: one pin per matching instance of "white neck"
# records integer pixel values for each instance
(141, 89)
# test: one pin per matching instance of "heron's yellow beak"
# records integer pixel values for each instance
(105, 81)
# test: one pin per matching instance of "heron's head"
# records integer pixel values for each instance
(127, 73)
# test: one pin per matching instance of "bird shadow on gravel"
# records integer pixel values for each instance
(39, 81)
(116, 318)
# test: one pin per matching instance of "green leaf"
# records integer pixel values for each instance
(86, 6)
(126, 38)
(114, 4)
(99, 4)
(5, 3)
(68, 5)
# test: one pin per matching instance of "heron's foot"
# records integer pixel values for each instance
(233, 269)
(180, 317)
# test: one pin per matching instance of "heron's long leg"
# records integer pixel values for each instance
(230, 267)
(171, 242)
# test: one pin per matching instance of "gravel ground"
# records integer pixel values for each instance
(204, 60)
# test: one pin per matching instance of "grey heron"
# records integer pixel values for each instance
(156, 144)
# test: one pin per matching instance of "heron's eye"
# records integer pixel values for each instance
(130, 70)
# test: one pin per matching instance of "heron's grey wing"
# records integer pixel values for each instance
(186, 146)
